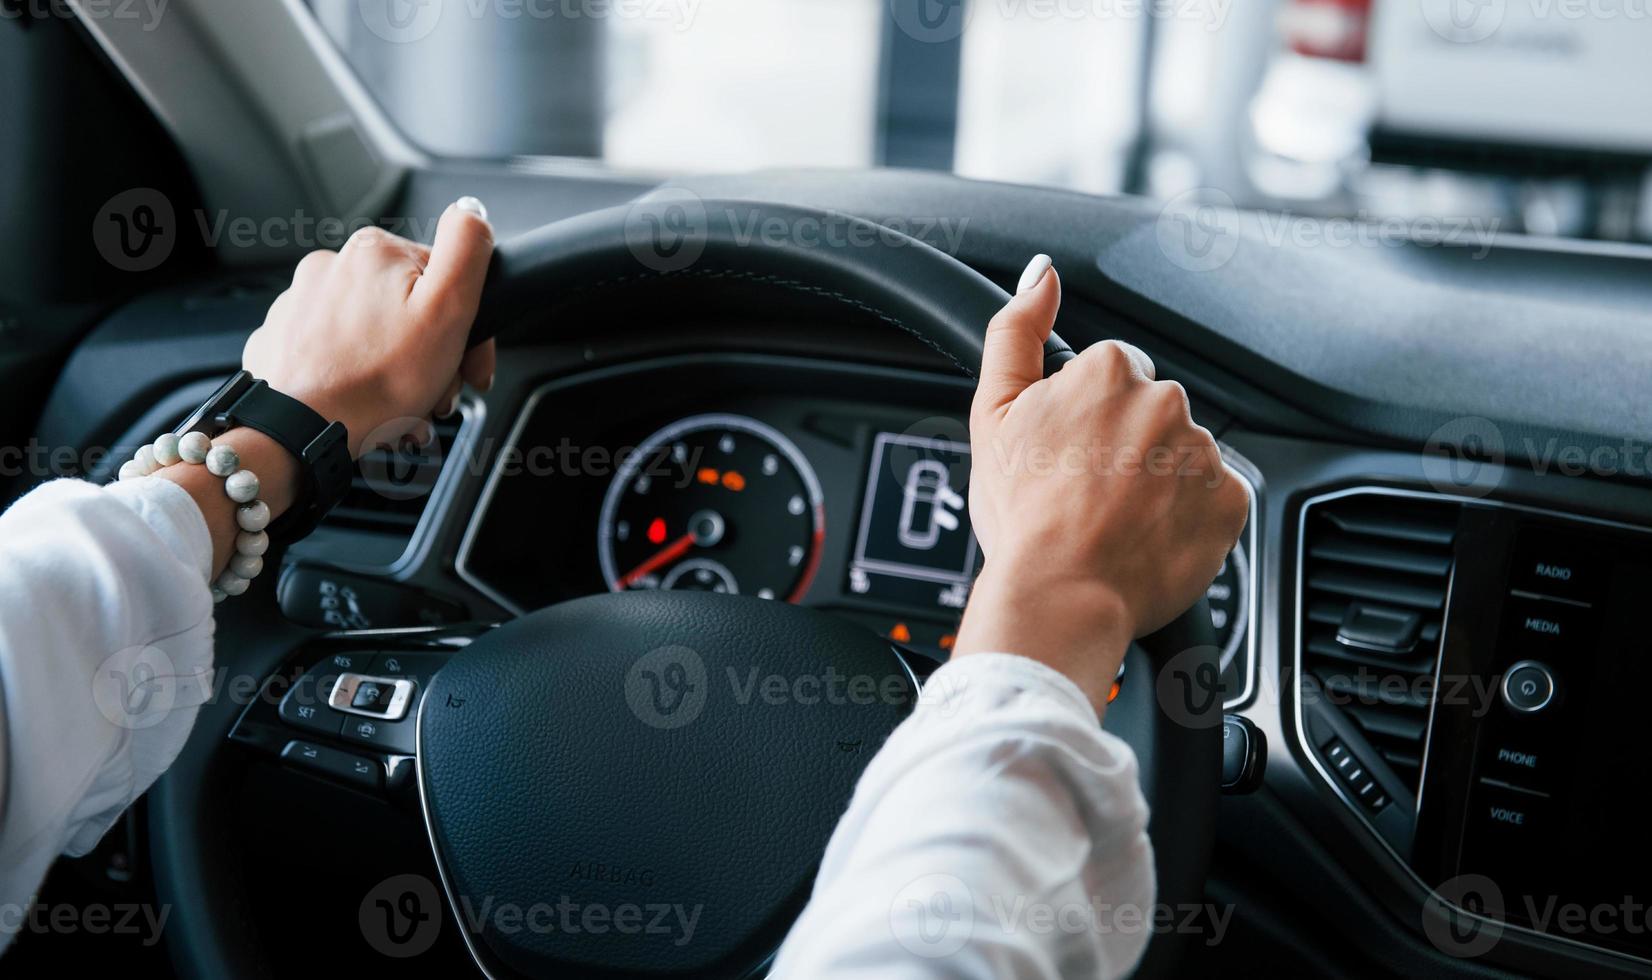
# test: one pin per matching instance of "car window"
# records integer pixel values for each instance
(1432, 120)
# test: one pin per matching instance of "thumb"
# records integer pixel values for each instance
(1013, 358)
(458, 257)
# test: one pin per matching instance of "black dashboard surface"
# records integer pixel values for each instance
(1547, 339)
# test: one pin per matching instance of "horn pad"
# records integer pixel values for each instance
(643, 783)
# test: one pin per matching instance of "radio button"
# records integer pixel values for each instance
(1558, 570)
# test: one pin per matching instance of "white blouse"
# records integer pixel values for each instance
(999, 832)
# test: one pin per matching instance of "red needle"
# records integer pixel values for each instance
(664, 556)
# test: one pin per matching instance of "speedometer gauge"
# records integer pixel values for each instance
(714, 503)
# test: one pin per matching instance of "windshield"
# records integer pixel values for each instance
(1457, 117)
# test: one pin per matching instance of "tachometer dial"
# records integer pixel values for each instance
(715, 503)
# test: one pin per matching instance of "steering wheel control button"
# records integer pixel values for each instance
(416, 667)
(305, 705)
(386, 698)
(1244, 755)
(344, 766)
(396, 737)
(1355, 778)
(1528, 687)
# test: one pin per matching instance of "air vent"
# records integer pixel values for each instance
(388, 495)
(1376, 572)
(390, 489)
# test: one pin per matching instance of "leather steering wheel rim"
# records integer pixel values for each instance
(839, 259)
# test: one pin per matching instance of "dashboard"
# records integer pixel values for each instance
(1440, 758)
(833, 485)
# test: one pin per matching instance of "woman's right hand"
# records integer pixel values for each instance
(374, 335)
(1103, 510)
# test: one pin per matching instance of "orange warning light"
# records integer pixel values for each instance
(900, 634)
(708, 475)
(1113, 693)
(947, 640)
(734, 481)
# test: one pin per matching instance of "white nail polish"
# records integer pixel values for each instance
(1039, 265)
(472, 205)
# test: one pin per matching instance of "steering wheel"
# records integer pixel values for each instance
(598, 748)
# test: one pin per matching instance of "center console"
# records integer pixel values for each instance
(1537, 773)
(1504, 652)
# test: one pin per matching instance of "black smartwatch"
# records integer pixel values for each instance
(321, 447)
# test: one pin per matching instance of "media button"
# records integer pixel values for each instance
(1544, 627)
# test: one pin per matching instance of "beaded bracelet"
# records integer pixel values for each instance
(252, 515)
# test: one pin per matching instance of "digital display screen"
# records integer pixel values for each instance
(914, 546)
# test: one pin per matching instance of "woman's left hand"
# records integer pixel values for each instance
(374, 335)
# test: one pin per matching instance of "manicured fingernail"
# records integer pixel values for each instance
(488, 386)
(449, 408)
(1034, 273)
(472, 205)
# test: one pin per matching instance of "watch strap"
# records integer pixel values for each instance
(321, 447)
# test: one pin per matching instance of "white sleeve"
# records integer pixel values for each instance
(998, 833)
(105, 655)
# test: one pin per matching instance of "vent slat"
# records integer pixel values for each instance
(1325, 645)
(1386, 722)
(1368, 554)
(1383, 588)
(394, 501)
(1370, 691)
(1401, 522)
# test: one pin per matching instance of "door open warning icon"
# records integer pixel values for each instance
(928, 505)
